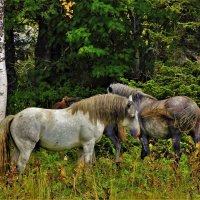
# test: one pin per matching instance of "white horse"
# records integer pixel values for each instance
(80, 125)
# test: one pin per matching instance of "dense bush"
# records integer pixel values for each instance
(168, 81)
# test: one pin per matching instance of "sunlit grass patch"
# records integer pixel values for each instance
(49, 176)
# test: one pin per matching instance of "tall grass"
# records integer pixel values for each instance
(49, 176)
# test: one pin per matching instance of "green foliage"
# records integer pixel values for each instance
(171, 81)
(45, 96)
(99, 39)
(102, 38)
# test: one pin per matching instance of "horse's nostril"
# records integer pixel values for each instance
(134, 133)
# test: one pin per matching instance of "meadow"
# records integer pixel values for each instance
(51, 175)
(77, 48)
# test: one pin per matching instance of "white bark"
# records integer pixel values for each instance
(3, 75)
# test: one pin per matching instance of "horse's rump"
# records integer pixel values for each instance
(184, 111)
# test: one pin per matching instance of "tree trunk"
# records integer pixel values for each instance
(10, 60)
(46, 54)
(3, 75)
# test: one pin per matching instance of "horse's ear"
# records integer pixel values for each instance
(140, 95)
(109, 89)
(130, 98)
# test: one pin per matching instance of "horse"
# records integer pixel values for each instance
(66, 102)
(80, 125)
(113, 131)
(162, 119)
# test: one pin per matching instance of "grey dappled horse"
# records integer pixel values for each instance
(162, 118)
(80, 125)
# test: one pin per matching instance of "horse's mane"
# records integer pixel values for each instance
(125, 90)
(107, 108)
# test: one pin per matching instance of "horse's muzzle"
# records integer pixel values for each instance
(135, 133)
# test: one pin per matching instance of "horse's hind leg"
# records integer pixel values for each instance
(22, 153)
(15, 155)
(195, 133)
(23, 158)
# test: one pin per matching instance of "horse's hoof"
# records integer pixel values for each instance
(118, 164)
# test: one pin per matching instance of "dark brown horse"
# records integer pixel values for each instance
(165, 119)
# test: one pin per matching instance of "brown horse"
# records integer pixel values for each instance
(162, 118)
(66, 102)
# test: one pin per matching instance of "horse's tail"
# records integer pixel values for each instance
(4, 142)
(186, 119)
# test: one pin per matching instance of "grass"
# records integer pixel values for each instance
(49, 176)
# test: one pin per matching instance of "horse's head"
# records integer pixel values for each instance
(131, 120)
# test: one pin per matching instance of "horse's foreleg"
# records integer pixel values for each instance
(80, 156)
(94, 158)
(111, 132)
(145, 147)
(88, 150)
(143, 153)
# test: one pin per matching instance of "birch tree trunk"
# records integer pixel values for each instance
(3, 75)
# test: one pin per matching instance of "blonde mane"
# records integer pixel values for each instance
(107, 108)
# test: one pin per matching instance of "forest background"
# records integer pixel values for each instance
(58, 48)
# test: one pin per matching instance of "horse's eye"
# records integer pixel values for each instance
(129, 104)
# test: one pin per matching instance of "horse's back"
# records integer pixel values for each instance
(179, 102)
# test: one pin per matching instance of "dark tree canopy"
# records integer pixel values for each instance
(52, 44)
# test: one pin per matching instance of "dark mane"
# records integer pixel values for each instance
(107, 108)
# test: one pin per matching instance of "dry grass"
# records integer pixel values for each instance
(48, 176)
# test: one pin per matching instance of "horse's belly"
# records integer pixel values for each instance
(60, 137)
(74, 133)
(156, 128)
(59, 142)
